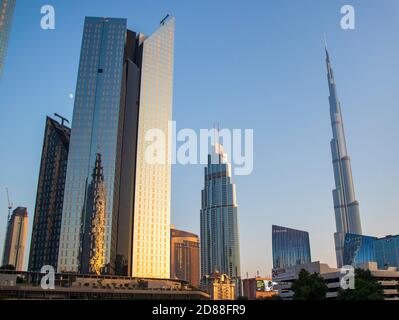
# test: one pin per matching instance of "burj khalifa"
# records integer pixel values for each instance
(346, 207)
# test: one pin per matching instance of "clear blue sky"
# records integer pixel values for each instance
(247, 64)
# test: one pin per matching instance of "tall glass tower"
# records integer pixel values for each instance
(346, 207)
(124, 89)
(7, 8)
(220, 248)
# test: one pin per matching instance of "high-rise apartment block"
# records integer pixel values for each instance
(50, 196)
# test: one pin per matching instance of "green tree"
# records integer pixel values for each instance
(7, 267)
(309, 287)
(366, 288)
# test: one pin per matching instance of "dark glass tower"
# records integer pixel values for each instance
(50, 196)
(346, 207)
(220, 247)
(290, 247)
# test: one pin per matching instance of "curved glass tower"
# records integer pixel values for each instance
(346, 207)
(290, 247)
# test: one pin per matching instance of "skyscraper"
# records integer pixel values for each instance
(290, 247)
(346, 207)
(50, 196)
(6, 14)
(184, 256)
(15, 241)
(124, 89)
(220, 248)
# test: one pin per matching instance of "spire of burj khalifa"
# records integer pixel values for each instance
(346, 207)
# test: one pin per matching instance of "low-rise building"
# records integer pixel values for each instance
(388, 278)
(220, 286)
(27, 285)
(259, 288)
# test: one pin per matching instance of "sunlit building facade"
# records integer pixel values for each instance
(15, 241)
(7, 8)
(220, 286)
(290, 247)
(93, 252)
(220, 248)
(185, 256)
(124, 89)
(151, 235)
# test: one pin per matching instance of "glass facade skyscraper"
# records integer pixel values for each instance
(50, 196)
(346, 207)
(124, 89)
(151, 234)
(7, 8)
(220, 248)
(387, 252)
(95, 130)
(290, 247)
(358, 249)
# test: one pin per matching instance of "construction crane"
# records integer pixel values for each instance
(9, 205)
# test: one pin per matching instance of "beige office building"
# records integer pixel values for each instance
(185, 256)
(220, 286)
(15, 242)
